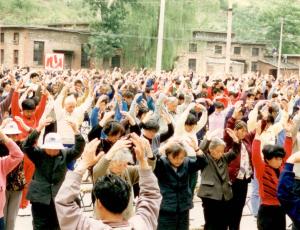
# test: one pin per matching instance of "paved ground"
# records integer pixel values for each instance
(196, 221)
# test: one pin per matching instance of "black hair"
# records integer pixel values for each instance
(271, 151)
(78, 81)
(113, 192)
(151, 125)
(113, 128)
(191, 120)
(219, 105)
(6, 83)
(181, 96)
(33, 75)
(142, 110)
(28, 104)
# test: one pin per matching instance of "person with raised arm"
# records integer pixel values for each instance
(112, 194)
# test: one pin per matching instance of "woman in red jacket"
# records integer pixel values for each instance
(270, 215)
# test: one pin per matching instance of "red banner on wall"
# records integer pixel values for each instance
(54, 61)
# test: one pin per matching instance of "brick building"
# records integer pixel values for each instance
(27, 45)
(205, 54)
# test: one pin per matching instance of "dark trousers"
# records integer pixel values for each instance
(173, 220)
(271, 218)
(44, 216)
(2, 223)
(215, 214)
(193, 180)
(237, 203)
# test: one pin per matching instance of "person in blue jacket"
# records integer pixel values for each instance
(289, 190)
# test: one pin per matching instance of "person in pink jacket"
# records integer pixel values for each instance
(7, 164)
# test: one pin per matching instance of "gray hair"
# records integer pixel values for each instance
(123, 155)
(215, 142)
(172, 99)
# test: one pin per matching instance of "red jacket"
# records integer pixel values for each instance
(266, 176)
(234, 165)
(34, 120)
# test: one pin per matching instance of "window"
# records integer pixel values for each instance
(116, 61)
(16, 38)
(253, 66)
(2, 56)
(255, 52)
(192, 64)
(193, 47)
(16, 57)
(85, 62)
(218, 49)
(38, 53)
(2, 38)
(237, 50)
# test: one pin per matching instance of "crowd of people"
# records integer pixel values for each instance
(145, 140)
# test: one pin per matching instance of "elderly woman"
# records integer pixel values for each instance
(173, 171)
(116, 162)
(215, 188)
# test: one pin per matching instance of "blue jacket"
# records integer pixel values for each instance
(289, 193)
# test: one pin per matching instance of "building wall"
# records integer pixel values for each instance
(53, 40)
(267, 69)
(207, 49)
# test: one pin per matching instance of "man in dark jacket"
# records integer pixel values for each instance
(51, 166)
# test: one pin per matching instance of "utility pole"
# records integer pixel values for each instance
(228, 40)
(280, 47)
(160, 36)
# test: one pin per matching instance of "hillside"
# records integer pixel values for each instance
(43, 11)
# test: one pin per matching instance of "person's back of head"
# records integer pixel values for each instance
(113, 193)
(28, 104)
(151, 125)
(272, 151)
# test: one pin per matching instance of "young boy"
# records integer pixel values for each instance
(270, 215)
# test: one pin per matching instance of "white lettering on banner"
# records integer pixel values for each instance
(54, 61)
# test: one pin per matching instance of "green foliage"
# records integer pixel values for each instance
(105, 38)
(261, 22)
(37, 12)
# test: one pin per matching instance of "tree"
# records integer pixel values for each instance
(108, 27)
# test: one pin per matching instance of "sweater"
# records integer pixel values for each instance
(31, 122)
(7, 164)
(267, 176)
(70, 216)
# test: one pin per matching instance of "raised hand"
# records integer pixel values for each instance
(128, 117)
(73, 125)
(232, 134)
(120, 144)
(89, 156)
(106, 118)
(44, 123)
(139, 150)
